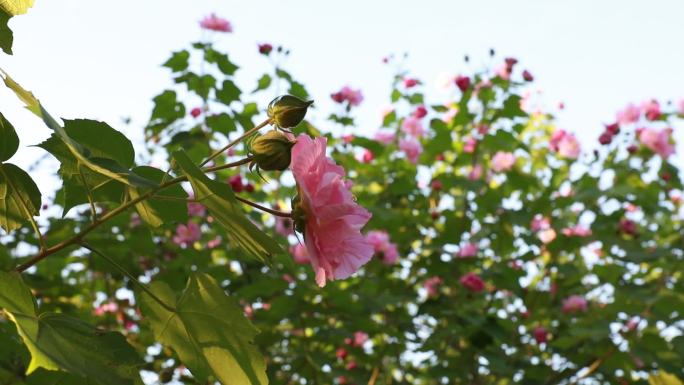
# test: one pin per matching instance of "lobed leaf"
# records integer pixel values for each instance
(207, 330)
(74, 147)
(57, 341)
(167, 206)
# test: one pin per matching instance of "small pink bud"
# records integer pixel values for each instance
(341, 353)
(527, 76)
(235, 182)
(605, 138)
(540, 334)
(420, 112)
(195, 112)
(265, 48)
(462, 82)
(510, 62)
(410, 82)
(628, 227)
(472, 282)
(613, 128)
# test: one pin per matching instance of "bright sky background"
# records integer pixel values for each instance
(101, 59)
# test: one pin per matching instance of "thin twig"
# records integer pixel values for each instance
(78, 237)
(45, 252)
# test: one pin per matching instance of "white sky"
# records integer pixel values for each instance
(101, 59)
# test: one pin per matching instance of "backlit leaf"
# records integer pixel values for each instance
(19, 197)
(9, 141)
(207, 330)
(219, 199)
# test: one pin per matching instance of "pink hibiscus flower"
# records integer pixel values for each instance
(413, 126)
(503, 161)
(215, 23)
(187, 234)
(382, 246)
(472, 282)
(327, 212)
(196, 209)
(299, 253)
(468, 250)
(657, 141)
(346, 94)
(577, 231)
(431, 285)
(574, 304)
(384, 137)
(476, 172)
(412, 148)
(469, 145)
(630, 114)
(565, 144)
(651, 109)
(360, 338)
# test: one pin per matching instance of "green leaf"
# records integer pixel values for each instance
(221, 60)
(75, 148)
(76, 193)
(207, 330)
(222, 123)
(6, 37)
(511, 108)
(15, 7)
(157, 211)
(57, 341)
(19, 197)
(178, 62)
(201, 85)
(167, 109)
(10, 141)
(15, 297)
(100, 140)
(228, 93)
(376, 148)
(263, 83)
(218, 198)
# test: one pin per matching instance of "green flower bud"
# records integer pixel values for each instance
(271, 151)
(287, 111)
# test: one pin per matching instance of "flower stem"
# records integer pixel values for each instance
(263, 208)
(236, 141)
(228, 165)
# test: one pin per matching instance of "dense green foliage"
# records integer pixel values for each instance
(128, 281)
